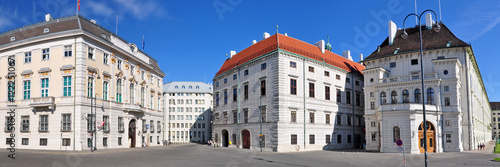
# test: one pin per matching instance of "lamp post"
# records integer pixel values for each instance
(260, 113)
(404, 35)
(94, 114)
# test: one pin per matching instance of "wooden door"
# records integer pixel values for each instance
(246, 139)
(431, 138)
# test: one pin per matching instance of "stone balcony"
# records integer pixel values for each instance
(406, 78)
(43, 102)
(133, 108)
(407, 107)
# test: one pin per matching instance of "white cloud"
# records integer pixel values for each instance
(5, 23)
(478, 19)
(100, 8)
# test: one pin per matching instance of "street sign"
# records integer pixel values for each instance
(399, 142)
(147, 126)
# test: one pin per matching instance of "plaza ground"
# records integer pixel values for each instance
(202, 155)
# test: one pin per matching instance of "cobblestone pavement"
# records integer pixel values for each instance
(202, 155)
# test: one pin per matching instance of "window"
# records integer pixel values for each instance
(45, 87)
(396, 133)
(406, 96)
(447, 101)
(152, 126)
(348, 97)
(440, 57)
(372, 124)
(45, 54)
(394, 97)
(293, 86)
(27, 57)
(44, 123)
(105, 90)
(327, 74)
(43, 141)
(392, 64)
(356, 83)
(144, 128)
(25, 123)
(119, 65)
(225, 97)
(119, 141)
(327, 118)
(121, 126)
(217, 99)
(132, 72)
(66, 122)
(293, 116)
(446, 88)
(339, 139)
(293, 139)
(311, 69)
(358, 99)
(245, 91)
(327, 139)
(25, 141)
(105, 141)
(348, 80)
(105, 119)
(263, 111)
(90, 87)
(311, 89)
(90, 53)
(339, 96)
(371, 94)
(119, 91)
(245, 73)
(293, 64)
(339, 119)
(245, 115)
(89, 122)
(447, 122)
(349, 121)
(27, 89)
(67, 86)
(89, 142)
(151, 101)
(225, 80)
(235, 117)
(448, 138)
(430, 96)
(327, 93)
(383, 99)
(372, 105)
(311, 117)
(263, 66)
(349, 138)
(7, 126)
(235, 94)
(263, 87)
(311, 139)
(417, 95)
(337, 77)
(66, 142)
(374, 136)
(414, 61)
(105, 58)
(235, 77)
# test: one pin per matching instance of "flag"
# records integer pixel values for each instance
(78, 5)
(143, 43)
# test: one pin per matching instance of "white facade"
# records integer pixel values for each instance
(267, 82)
(495, 111)
(54, 91)
(455, 100)
(188, 107)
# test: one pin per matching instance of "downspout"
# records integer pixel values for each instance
(239, 108)
(304, 92)
(469, 121)
(442, 116)
(74, 103)
(352, 102)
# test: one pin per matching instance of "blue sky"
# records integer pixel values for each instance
(190, 38)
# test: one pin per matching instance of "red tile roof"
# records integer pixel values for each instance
(292, 45)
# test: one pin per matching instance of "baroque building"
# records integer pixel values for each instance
(188, 107)
(283, 94)
(457, 108)
(66, 67)
(495, 119)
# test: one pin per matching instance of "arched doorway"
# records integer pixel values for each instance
(245, 134)
(131, 133)
(431, 137)
(225, 138)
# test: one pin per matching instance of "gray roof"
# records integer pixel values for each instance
(187, 87)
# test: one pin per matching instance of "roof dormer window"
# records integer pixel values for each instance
(46, 30)
(12, 39)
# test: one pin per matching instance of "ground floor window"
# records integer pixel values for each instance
(119, 141)
(327, 139)
(105, 142)
(311, 139)
(349, 140)
(89, 142)
(448, 138)
(43, 142)
(66, 142)
(25, 141)
(339, 138)
(293, 139)
(374, 136)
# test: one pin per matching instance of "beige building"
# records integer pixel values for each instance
(60, 66)
(495, 119)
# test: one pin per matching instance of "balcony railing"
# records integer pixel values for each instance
(407, 78)
(43, 101)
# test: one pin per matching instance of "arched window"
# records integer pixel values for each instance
(142, 96)
(176, 87)
(430, 96)
(396, 133)
(132, 91)
(183, 87)
(417, 95)
(190, 87)
(119, 90)
(197, 87)
(406, 98)
(394, 97)
(383, 99)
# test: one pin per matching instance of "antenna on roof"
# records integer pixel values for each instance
(116, 31)
(277, 35)
(416, 21)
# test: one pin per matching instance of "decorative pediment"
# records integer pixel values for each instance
(132, 79)
(119, 74)
(26, 72)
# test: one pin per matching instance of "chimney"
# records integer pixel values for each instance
(428, 21)
(361, 59)
(93, 21)
(321, 45)
(48, 17)
(266, 35)
(232, 53)
(392, 32)
(347, 55)
(286, 34)
(254, 42)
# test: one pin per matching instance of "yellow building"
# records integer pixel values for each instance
(60, 66)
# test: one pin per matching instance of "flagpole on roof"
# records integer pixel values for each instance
(277, 36)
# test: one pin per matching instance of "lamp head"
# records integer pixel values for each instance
(98, 77)
(404, 35)
(437, 27)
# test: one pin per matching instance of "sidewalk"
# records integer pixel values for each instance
(488, 149)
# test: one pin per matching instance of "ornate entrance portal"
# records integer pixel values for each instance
(131, 133)
(431, 137)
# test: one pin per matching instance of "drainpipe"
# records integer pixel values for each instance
(304, 92)
(442, 116)
(469, 120)
(239, 108)
(352, 102)
(74, 102)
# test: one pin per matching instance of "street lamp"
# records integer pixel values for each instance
(404, 35)
(260, 113)
(94, 114)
